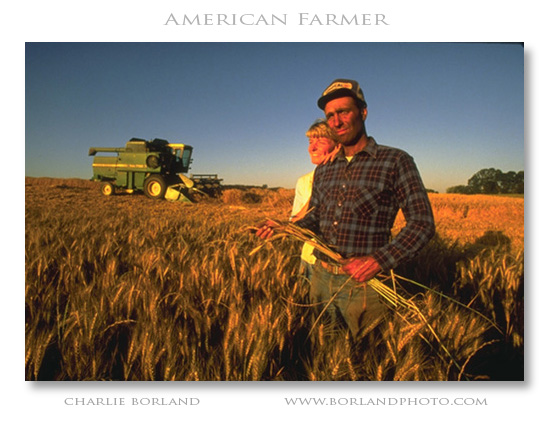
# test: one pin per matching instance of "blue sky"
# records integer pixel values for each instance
(245, 107)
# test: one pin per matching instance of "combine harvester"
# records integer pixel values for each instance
(154, 167)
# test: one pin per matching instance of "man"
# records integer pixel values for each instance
(354, 203)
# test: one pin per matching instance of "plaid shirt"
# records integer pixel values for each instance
(354, 205)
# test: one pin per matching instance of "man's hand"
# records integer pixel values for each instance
(266, 231)
(362, 268)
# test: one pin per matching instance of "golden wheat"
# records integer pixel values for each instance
(128, 288)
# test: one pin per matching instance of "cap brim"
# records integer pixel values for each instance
(343, 92)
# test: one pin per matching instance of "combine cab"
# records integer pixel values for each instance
(154, 167)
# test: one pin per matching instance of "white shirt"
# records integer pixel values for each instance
(303, 190)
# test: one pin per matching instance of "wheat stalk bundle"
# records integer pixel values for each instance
(301, 234)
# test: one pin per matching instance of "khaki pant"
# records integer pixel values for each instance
(357, 304)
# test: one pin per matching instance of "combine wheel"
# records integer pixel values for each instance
(155, 187)
(107, 188)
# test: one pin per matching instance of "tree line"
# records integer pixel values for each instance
(492, 181)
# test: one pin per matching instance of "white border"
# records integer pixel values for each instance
(250, 402)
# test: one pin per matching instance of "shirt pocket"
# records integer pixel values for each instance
(371, 200)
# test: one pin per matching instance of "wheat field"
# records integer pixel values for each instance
(129, 288)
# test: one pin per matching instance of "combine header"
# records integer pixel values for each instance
(154, 167)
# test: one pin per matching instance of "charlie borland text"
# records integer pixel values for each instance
(120, 401)
(251, 19)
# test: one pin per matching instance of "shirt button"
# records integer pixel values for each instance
(335, 222)
(339, 204)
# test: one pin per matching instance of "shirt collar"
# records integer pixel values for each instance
(370, 149)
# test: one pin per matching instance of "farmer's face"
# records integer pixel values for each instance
(319, 147)
(346, 119)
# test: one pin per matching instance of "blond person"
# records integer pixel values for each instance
(322, 146)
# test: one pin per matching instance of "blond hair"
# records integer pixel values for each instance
(320, 128)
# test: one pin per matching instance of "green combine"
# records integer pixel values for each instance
(154, 167)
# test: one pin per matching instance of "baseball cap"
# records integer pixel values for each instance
(341, 88)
